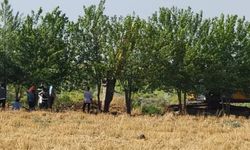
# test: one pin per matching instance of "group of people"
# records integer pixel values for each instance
(3, 96)
(44, 97)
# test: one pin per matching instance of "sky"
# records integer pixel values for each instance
(143, 8)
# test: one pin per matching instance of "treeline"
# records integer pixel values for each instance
(175, 49)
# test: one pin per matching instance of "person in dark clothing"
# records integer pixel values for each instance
(3, 95)
(16, 105)
(31, 97)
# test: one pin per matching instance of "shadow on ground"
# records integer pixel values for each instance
(219, 110)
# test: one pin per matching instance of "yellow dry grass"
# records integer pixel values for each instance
(77, 131)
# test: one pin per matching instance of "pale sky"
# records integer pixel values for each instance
(143, 8)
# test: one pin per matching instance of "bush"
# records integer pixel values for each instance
(136, 103)
(65, 99)
(151, 110)
(68, 98)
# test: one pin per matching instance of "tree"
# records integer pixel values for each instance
(28, 43)
(174, 29)
(9, 24)
(43, 50)
(123, 57)
(241, 54)
(56, 56)
(131, 74)
(219, 57)
(88, 40)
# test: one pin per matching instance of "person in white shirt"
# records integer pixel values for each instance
(52, 96)
(87, 99)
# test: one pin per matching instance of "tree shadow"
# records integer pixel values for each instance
(203, 109)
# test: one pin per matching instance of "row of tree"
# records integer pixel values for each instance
(174, 49)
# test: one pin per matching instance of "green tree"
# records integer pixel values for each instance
(55, 56)
(120, 56)
(131, 74)
(174, 30)
(88, 39)
(44, 55)
(9, 25)
(28, 43)
(219, 56)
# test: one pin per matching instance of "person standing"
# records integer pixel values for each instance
(43, 98)
(3, 95)
(31, 97)
(87, 99)
(52, 96)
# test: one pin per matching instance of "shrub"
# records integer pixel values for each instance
(151, 110)
(136, 103)
(68, 98)
(63, 100)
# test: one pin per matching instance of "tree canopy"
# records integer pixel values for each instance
(173, 50)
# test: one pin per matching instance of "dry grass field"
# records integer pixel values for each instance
(76, 130)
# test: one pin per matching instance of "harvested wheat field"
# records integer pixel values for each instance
(76, 130)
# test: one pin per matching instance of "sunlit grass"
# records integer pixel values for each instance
(76, 130)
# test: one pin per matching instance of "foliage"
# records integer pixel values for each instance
(44, 46)
(175, 50)
(88, 40)
(151, 109)
(9, 25)
(136, 103)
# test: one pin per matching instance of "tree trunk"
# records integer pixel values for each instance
(17, 91)
(109, 93)
(128, 100)
(98, 95)
(179, 99)
(185, 103)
